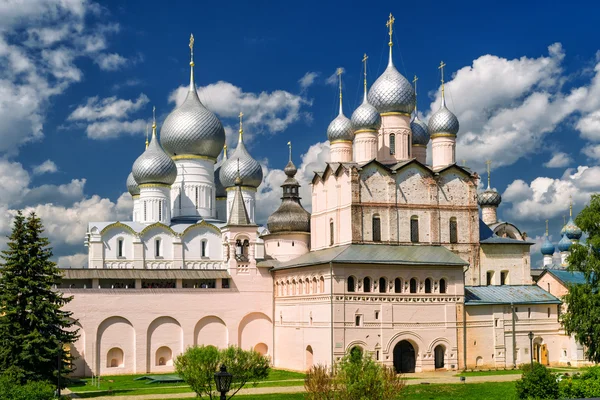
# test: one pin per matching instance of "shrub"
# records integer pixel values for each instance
(319, 384)
(584, 385)
(537, 383)
(12, 389)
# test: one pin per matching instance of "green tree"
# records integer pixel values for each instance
(197, 366)
(582, 302)
(33, 326)
(536, 383)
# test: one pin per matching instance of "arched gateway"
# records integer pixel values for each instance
(404, 357)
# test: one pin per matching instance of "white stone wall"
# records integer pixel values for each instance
(365, 146)
(193, 193)
(511, 258)
(340, 151)
(249, 196)
(443, 151)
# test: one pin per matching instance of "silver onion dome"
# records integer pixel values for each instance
(219, 188)
(365, 117)
(340, 129)
(443, 121)
(489, 197)
(154, 165)
(290, 216)
(250, 169)
(132, 187)
(392, 92)
(420, 132)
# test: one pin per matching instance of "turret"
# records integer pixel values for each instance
(547, 248)
(366, 121)
(489, 200)
(420, 133)
(443, 127)
(340, 133)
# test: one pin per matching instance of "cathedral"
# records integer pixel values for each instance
(400, 256)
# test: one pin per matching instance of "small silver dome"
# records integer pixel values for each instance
(340, 129)
(366, 117)
(420, 132)
(250, 169)
(489, 198)
(443, 121)
(392, 92)
(219, 188)
(132, 187)
(154, 165)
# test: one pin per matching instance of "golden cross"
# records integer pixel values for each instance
(415, 79)
(546, 227)
(153, 116)
(290, 146)
(441, 67)
(192, 50)
(570, 205)
(364, 60)
(241, 122)
(390, 25)
(489, 164)
(146, 135)
(339, 73)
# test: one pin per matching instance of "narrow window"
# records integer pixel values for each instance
(529, 313)
(204, 248)
(382, 285)
(197, 203)
(225, 283)
(180, 196)
(408, 145)
(351, 284)
(160, 210)
(503, 276)
(367, 285)
(392, 144)
(414, 229)
(120, 248)
(453, 231)
(428, 285)
(413, 285)
(548, 312)
(376, 228)
(357, 320)
(145, 212)
(331, 233)
(376, 314)
(157, 247)
(489, 277)
(397, 285)
(442, 286)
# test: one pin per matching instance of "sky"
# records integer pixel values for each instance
(79, 78)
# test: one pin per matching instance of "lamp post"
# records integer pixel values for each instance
(530, 335)
(223, 381)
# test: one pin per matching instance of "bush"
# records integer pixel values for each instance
(319, 384)
(584, 385)
(12, 389)
(537, 383)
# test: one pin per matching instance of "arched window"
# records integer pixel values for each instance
(331, 232)
(414, 229)
(351, 284)
(321, 285)
(382, 285)
(376, 228)
(442, 285)
(408, 145)
(120, 247)
(489, 278)
(413, 285)
(367, 285)
(203, 248)
(157, 248)
(145, 211)
(197, 202)
(428, 285)
(392, 144)
(453, 230)
(503, 277)
(160, 206)
(245, 247)
(397, 285)
(314, 285)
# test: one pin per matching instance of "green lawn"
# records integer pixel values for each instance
(491, 372)
(466, 391)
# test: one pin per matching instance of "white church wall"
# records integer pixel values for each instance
(192, 244)
(164, 257)
(510, 258)
(412, 186)
(111, 244)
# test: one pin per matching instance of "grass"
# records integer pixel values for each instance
(491, 372)
(467, 391)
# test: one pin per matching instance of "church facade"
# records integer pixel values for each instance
(394, 257)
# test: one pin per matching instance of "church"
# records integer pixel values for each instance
(400, 256)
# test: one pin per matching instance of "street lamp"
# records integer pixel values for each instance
(530, 335)
(223, 381)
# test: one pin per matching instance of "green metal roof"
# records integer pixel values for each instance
(92, 273)
(508, 294)
(378, 254)
(567, 277)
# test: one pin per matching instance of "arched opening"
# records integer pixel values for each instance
(356, 352)
(404, 357)
(157, 248)
(392, 144)
(479, 361)
(321, 285)
(453, 230)
(397, 285)
(331, 238)
(382, 285)
(376, 228)
(439, 353)
(504, 277)
(428, 285)
(120, 247)
(351, 284)
(309, 357)
(489, 278)
(204, 248)
(367, 285)
(164, 356)
(413, 285)
(261, 348)
(114, 358)
(442, 285)
(314, 285)
(414, 229)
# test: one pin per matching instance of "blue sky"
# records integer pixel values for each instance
(79, 79)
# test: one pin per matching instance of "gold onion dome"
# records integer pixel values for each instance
(290, 216)
(132, 187)
(154, 165)
(191, 129)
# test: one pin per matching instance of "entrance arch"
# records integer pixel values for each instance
(309, 357)
(404, 357)
(439, 353)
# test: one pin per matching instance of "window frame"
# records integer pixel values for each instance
(453, 230)
(414, 229)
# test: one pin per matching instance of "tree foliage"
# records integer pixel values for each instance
(536, 383)
(11, 388)
(581, 386)
(197, 366)
(582, 302)
(33, 326)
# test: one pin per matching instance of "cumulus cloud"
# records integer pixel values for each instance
(111, 62)
(558, 160)
(592, 151)
(308, 79)
(47, 167)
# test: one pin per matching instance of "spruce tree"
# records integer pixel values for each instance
(34, 328)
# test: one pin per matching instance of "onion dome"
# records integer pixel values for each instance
(219, 188)
(572, 231)
(443, 120)
(365, 117)
(250, 170)
(132, 187)
(392, 92)
(191, 129)
(563, 230)
(341, 127)
(489, 197)
(547, 247)
(564, 244)
(290, 216)
(420, 132)
(154, 165)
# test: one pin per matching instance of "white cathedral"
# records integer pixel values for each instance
(394, 258)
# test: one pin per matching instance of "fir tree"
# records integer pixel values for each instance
(34, 329)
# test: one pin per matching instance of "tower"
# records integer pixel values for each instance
(420, 133)
(547, 249)
(340, 134)
(366, 121)
(489, 200)
(443, 127)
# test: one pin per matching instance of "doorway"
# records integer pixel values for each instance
(439, 353)
(404, 357)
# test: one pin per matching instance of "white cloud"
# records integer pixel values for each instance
(308, 79)
(558, 160)
(592, 151)
(111, 62)
(333, 78)
(47, 167)
(79, 260)
(111, 129)
(589, 126)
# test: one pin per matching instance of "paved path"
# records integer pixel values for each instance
(446, 377)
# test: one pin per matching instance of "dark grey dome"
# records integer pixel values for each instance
(290, 216)
(489, 197)
(132, 187)
(420, 132)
